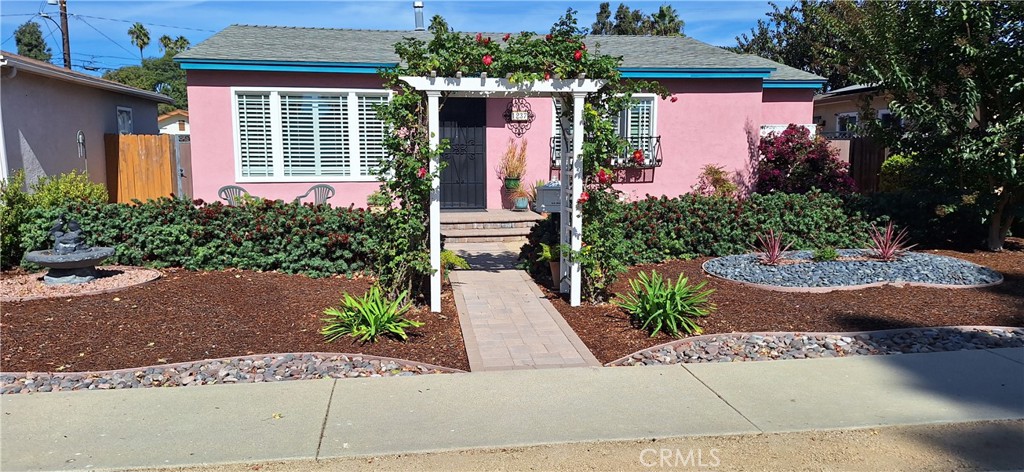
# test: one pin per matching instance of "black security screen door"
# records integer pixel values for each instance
(464, 178)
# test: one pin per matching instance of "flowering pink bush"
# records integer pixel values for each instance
(793, 162)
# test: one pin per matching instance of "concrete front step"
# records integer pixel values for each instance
(487, 235)
(487, 225)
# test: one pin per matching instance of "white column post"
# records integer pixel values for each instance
(576, 241)
(433, 126)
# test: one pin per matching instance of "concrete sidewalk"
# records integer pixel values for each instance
(355, 417)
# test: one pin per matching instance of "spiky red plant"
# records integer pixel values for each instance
(888, 245)
(771, 248)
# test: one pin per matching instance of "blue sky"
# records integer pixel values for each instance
(99, 39)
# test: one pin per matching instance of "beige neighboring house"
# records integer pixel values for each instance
(175, 122)
(838, 112)
(52, 120)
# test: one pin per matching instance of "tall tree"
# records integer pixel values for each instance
(140, 37)
(805, 35)
(665, 22)
(955, 74)
(603, 23)
(161, 75)
(29, 38)
(173, 46)
(166, 43)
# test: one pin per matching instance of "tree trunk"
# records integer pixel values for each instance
(997, 228)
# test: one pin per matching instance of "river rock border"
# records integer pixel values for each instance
(768, 346)
(912, 260)
(228, 370)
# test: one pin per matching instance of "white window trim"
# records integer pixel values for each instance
(840, 116)
(653, 98)
(131, 117)
(277, 142)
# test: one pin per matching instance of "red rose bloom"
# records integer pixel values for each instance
(548, 37)
(578, 55)
(584, 197)
(422, 172)
(638, 156)
(487, 40)
(603, 176)
(488, 60)
(547, 76)
(479, 37)
(506, 37)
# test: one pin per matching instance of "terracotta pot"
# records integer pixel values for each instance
(556, 273)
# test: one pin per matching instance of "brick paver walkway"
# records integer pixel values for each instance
(506, 321)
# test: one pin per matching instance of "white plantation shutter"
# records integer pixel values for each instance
(254, 135)
(637, 125)
(371, 133)
(314, 135)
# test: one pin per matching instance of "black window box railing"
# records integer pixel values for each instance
(649, 147)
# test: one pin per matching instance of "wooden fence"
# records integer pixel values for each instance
(866, 157)
(143, 167)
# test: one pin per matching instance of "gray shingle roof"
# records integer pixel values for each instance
(273, 43)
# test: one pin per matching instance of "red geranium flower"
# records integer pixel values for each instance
(488, 60)
(422, 172)
(584, 197)
(638, 156)
(578, 55)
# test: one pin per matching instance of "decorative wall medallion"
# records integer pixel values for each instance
(518, 116)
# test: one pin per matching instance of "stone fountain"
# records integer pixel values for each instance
(70, 261)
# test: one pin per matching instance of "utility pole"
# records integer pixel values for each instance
(64, 29)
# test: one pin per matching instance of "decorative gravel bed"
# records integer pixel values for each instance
(248, 369)
(739, 347)
(24, 287)
(799, 272)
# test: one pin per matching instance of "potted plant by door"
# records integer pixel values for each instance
(513, 163)
(520, 199)
(552, 254)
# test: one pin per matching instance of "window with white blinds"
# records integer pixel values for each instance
(255, 147)
(304, 135)
(636, 125)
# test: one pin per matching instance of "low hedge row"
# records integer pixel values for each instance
(265, 235)
(659, 229)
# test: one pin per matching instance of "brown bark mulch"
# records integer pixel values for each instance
(191, 316)
(607, 331)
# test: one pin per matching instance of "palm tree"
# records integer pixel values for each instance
(140, 37)
(181, 43)
(666, 22)
(166, 43)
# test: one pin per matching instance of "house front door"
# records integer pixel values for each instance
(464, 177)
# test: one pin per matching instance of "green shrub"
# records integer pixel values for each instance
(265, 235)
(368, 317)
(14, 207)
(825, 254)
(55, 191)
(657, 304)
(896, 174)
(931, 219)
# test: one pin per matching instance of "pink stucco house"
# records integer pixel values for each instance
(276, 110)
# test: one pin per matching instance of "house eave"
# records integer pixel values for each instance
(794, 84)
(28, 66)
(695, 73)
(284, 66)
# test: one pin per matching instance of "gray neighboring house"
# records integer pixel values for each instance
(53, 119)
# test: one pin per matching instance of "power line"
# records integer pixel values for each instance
(50, 36)
(16, 30)
(147, 24)
(18, 14)
(104, 35)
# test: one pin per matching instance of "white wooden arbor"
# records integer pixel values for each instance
(571, 168)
